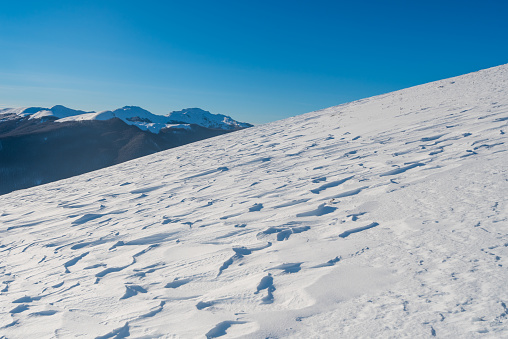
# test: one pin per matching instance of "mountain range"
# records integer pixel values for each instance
(39, 145)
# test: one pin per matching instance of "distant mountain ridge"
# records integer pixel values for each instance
(131, 115)
(204, 118)
(57, 111)
(40, 145)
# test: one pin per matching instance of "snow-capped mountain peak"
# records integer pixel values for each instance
(201, 117)
(57, 112)
(61, 111)
(22, 111)
(129, 112)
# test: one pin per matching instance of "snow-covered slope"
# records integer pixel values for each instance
(103, 115)
(57, 111)
(384, 217)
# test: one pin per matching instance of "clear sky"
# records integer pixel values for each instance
(257, 61)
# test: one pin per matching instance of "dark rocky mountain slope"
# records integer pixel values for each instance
(39, 151)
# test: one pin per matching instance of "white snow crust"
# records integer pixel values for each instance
(385, 217)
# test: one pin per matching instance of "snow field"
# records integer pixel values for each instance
(384, 217)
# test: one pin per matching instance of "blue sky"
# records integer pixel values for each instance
(257, 61)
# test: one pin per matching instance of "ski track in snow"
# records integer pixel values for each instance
(382, 217)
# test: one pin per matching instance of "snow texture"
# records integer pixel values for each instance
(385, 217)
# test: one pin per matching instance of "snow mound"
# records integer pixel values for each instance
(384, 217)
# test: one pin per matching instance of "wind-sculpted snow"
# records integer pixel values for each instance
(384, 217)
